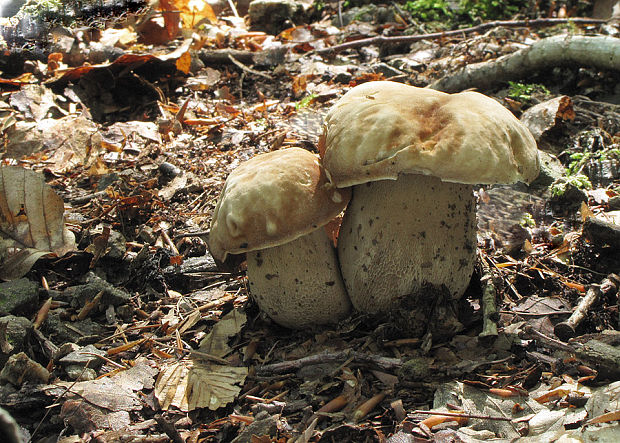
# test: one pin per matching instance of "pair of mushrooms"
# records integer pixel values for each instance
(403, 161)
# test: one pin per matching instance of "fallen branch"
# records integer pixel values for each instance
(609, 286)
(489, 304)
(605, 357)
(382, 40)
(601, 52)
(385, 363)
(461, 415)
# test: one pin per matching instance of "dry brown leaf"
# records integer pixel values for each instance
(184, 62)
(213, 386)
(216, 341)
(120, 392)
(31, 220)
(188, 385)
(557, 394)
(171, 16)
(193, 12)
(605, 418)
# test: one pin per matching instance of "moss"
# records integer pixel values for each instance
(415, 369)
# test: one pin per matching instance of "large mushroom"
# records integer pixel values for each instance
(412, 156)
(272, 208)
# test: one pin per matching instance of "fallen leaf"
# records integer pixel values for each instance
(216, 341)
(32, 219)
(213, 386)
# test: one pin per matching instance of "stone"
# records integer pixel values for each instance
(18, 295)
(16, 330)
(387, 70)
(263, 424)
(274, 16)
(80, 373)
(82, 294)
(83, 357)
(20, 369)
(9, 8)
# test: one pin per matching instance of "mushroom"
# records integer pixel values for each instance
(271, 208)
(412, 156)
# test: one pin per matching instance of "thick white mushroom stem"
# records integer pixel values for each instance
(298, 284)
(399, 236)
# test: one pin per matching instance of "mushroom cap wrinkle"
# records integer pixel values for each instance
(381, 129)
(272, 199)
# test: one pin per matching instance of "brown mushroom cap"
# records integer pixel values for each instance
(272, 199)
(378, 130)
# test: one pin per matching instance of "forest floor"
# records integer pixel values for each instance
(116, 325)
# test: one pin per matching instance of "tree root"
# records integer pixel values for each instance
(600, 52)
(382, 40)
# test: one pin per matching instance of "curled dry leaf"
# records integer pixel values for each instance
(188, 385)
(31, 221)
(191, 384)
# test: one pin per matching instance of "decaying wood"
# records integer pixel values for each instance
(269, 57)
(382, 40)
(603, 356)
(385, 363)
(566, 330)
(489, 304)
(600, 52)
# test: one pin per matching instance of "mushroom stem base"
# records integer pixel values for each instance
(400, 237)
(298, 284)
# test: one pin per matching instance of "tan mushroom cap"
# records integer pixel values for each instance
(381, 129)
(272, 199)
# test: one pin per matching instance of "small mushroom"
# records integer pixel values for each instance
(412, 156)
(271, 208)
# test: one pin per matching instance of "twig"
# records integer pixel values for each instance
(169, 429)
(385, 363)
(104, 358)
(278, 407)
(382, 40)
(48, 348)
(166, 238)
(86, 198)
(247, 69)
(233, 8)
(535, 314)
(456, 414)
(209, 357)
(547, 341)
(609, 286)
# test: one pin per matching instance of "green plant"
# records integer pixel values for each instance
(429, 10)
(579, 159)
(523, 92)
(527, 221)
(319, 5)
(578, 181)
(305, 102)
(490, 9)
(36, 7)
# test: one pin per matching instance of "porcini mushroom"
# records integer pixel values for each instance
(412, 156)
(272, 208)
